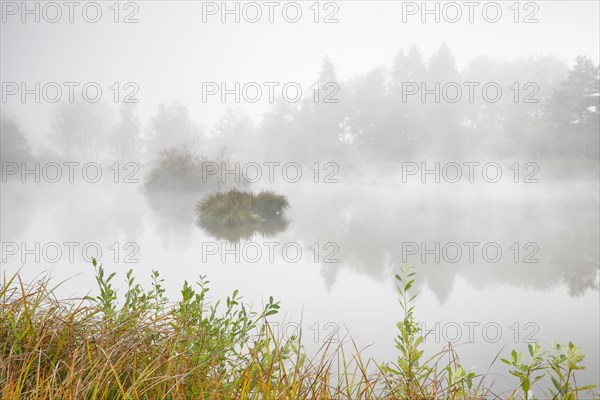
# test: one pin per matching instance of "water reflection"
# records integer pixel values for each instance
(173, 216)
(234, 234)
(71, 212)
(374, 225)
(543, 239)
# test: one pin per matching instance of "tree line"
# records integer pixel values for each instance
(535, 107)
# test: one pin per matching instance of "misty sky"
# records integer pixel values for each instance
(170, 52)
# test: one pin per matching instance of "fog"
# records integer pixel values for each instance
(469, 150)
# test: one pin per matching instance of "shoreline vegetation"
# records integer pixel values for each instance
(140, 345)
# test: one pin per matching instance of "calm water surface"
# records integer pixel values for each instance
(497, 265)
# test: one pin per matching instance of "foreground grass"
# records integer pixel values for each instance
(145, 347)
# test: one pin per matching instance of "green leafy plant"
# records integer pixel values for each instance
(408, 369)
(526, 371)
(563, 364)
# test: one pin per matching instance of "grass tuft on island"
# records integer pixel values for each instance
(235, 214)
(141, 345)
(236, 207)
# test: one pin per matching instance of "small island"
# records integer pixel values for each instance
(236, 214)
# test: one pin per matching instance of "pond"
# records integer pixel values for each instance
(498, 266)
